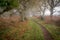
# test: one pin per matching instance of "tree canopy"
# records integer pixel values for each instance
(8, 3)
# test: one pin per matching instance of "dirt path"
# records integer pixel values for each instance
(47, 35)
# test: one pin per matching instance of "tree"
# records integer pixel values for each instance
(43, 6)
(22, 8)
(52, 4)
(25, 5)
(7, 5)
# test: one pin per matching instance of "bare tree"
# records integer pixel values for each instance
(52, 4)
(43, 6)
(24, 5)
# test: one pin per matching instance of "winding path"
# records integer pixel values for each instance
(47, 35)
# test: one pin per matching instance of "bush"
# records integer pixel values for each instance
(57, 22)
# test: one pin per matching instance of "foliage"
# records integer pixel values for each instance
(8, 3)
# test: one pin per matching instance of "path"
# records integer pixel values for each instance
(47, 35)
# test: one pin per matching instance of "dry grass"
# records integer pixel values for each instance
(55, 20)
(12, 29)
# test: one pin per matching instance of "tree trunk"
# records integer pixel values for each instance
(51, 11)
(42, 17)
(22, 17)
(5, 10)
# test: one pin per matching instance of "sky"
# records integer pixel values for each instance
(47, 12)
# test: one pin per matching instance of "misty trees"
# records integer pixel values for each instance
(43, 6)
(52, 4)
(48, 4)
(6, 5)
(24, 6)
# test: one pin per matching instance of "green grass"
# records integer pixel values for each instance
(32, 32)
(35, 33)
(53, 29)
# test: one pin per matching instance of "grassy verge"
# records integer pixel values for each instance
(34, 33)
(54, 30)
(12, 32)
(23, 31)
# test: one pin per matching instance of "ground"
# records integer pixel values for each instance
(29, 30)
(53, 29)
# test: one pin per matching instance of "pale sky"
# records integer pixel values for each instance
(56, 13)
(47, 12)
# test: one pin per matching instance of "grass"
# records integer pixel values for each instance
(53, 29)
(34, 33)
(12, 32)
(23, 31)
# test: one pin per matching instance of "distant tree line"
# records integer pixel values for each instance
(23, 5)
